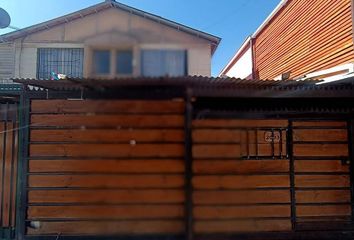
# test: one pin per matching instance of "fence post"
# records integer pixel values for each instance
(188, 166)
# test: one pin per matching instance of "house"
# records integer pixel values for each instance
(106, 40)
(182, 158)
(299, 40)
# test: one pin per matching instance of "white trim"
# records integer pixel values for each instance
(247, 41)
(271, 15)
(349, 67)
(336, 78)
(346, 67)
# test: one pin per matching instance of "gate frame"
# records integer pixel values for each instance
(193, 111)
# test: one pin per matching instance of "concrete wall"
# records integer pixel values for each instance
(112, 29)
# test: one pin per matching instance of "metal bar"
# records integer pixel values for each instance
(24, 121)
(289, 139)
(3, 168)
(248, 143)
(351, 164)
(188, 167)
(281, 144)
(12, 172)
(256, 133)
(272, 143)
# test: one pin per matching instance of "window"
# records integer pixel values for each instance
(124, 62)
(163, 62)
(68, 61)
(101, 61)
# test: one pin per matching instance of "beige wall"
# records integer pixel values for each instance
(112, 29)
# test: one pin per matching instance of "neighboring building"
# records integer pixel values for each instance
(106, 40)
(300, 39)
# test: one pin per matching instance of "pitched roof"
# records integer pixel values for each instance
(214, 40)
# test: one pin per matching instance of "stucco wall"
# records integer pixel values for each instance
(112, 29)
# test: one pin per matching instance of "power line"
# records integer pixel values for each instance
(231, 14)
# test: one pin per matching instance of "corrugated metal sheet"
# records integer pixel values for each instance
(189, 81)
(7, 61)
(304, 37)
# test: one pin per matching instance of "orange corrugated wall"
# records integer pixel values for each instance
(304, 37)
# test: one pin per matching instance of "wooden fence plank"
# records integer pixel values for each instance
(104, 106)
(107, 166)
(232, 212)
(107, 150)
(217, 151)
(106, 212)
(241, 197)
(322, 181)
(240, 166)
(109, 228)
(106, 196)
(104, 135)
(320, 124)
(320, 135)
(107, 181)
(321, 150)
(242, 226)
(216, 136)
(113, 121)
(323, 196)
(320, 166)
(240, 182)
(239, 123)
(323, 210)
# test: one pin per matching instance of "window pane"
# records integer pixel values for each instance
(163, 62)
(68, 61)
(101, 61)
(124, 62)
(175, 64)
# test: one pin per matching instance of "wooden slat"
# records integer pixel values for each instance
(107, 181)
(320, 150)
(107, 166)
(242, 226)
(106, 212)
(283, 47)
(320, 166)
(241, 197)
(320, 135)
(320, 124)
(107, 150)
(217, 151)
(109, 228)
(323, 210)
(103, 136)
(239, 123)
(225, 151)
(103, 106)
(323, 196)
(113, 121)
(232, 212)
(240, 182)
(322, 181)
(240, 166)
(216, 136)
(106, 196)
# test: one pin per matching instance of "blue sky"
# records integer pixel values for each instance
(232, 20)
